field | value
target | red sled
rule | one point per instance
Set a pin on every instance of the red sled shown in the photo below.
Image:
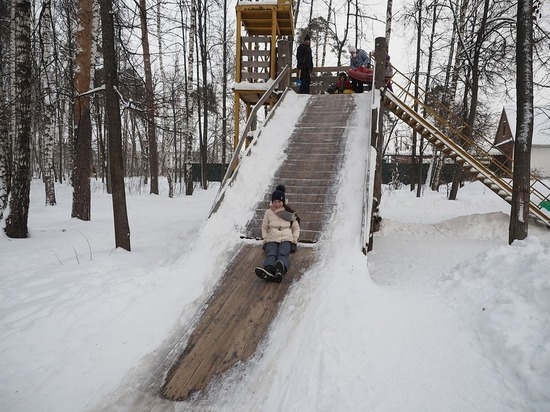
(363, 74)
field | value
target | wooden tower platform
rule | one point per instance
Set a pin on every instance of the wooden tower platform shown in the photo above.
(263, 32)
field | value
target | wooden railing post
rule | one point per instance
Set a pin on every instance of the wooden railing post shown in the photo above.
(283, 60)
(380, 51)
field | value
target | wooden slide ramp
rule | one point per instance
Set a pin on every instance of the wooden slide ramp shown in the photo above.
(238, 314)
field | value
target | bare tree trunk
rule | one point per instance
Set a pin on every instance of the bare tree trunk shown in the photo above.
(519, 222)
(389, 16)
(426, 87)
(457, 178)
(112, 108)
(296, 12)
(101, 150)
(190, 102)
(346, 32)
(5, 145)
(167, 159)
(175, 118)
(66, 152)
(325, 34)
(414, 174)
(448, 98)
(16, 222)
(82, 160)
(224, 85)
(203, 142)
(150, 97)
(356, 22)
(460, 31)
(50, 103)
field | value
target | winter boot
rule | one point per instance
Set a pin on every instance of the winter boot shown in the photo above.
(266, 273)
(279, 271)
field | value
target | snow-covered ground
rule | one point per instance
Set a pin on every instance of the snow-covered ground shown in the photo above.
(443, 315)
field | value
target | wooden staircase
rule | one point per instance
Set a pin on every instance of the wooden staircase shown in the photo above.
(450, 135)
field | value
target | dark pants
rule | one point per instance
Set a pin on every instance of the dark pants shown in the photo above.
(305, 78)
(357, 86)
(277, 251)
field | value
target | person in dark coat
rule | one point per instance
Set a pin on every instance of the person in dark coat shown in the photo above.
(304, 62)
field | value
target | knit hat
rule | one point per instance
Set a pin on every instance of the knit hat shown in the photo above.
(278, 194)
(307, 37)
(351, 49)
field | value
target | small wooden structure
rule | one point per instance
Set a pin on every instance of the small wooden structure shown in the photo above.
(503, 150)
(263, 50)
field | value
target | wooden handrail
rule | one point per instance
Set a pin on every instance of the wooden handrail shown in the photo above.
(469, 150)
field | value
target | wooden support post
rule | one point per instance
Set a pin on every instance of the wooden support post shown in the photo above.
(273, 63)
(380, 52)
(239, 49)
(237, 120)
(377, 125)
(283, 59)
(252, 125)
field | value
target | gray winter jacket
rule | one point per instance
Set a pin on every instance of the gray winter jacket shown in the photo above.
(361, 59)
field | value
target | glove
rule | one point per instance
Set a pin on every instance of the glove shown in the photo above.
(293, 247)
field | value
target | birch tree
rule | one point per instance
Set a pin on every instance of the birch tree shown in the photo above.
(16, 222)
(202, 38)
(189, 99)
(166, 159)
(50, 102)
(5, 147)
(389, 16)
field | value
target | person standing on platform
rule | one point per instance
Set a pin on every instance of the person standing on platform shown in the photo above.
(359, 58)
(304, 63)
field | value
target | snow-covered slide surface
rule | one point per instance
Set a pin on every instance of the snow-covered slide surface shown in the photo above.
(241, 309)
